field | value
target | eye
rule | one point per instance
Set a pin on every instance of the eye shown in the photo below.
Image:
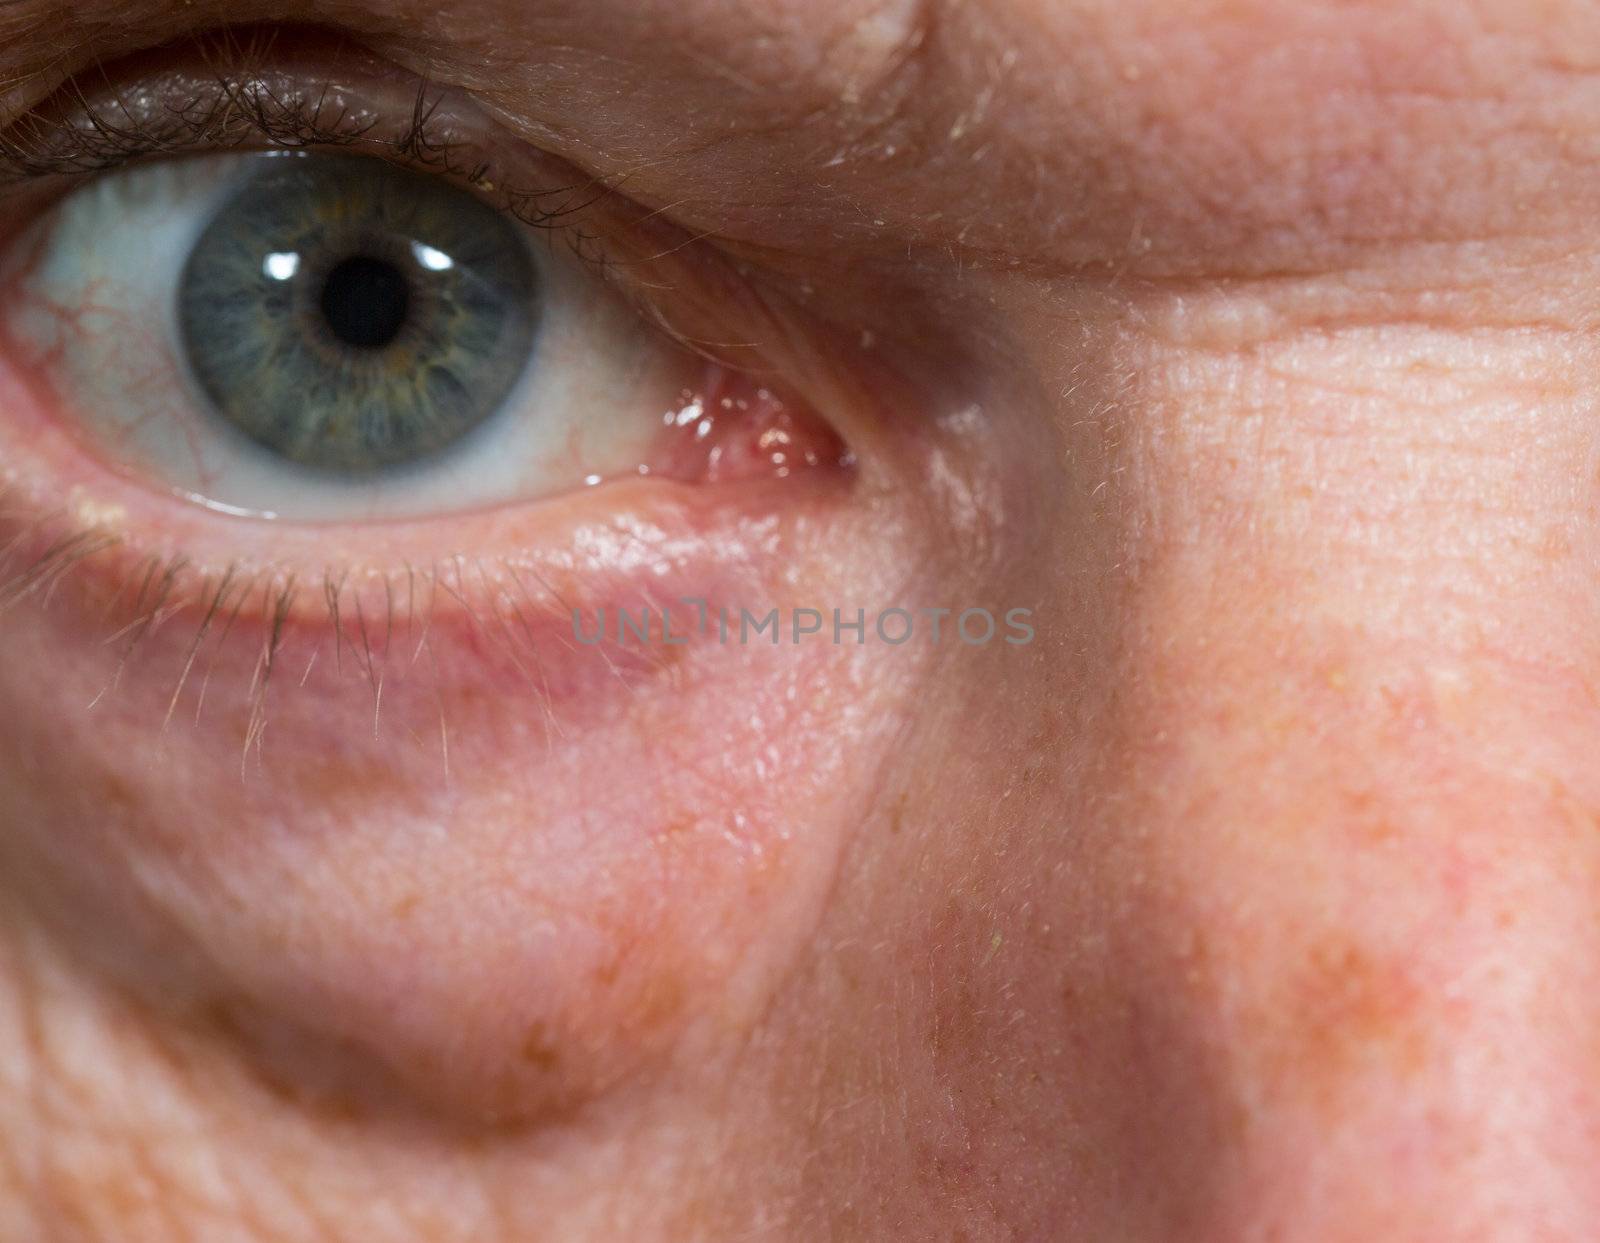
(349, 315)
(332, 337)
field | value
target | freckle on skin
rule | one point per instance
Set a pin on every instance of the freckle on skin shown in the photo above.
(1198, 970)
(116, 794)
(539, 1050)
(1342, 1011)
(1378, 833)
(674, 831)
(661, 1001)
(325, 782)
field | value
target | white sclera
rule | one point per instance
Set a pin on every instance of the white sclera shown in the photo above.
(95, 305)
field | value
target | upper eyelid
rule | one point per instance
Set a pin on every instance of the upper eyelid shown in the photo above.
(727, 124)
(272, 97)
(241, 104)
(713, 301)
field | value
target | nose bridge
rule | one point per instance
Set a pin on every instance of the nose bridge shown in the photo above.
(1362, 819)
(1412, 480)
(1365, 612)
(1376, 904)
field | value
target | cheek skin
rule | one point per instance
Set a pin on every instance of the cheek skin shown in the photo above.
(586, 884)
(1376, 953)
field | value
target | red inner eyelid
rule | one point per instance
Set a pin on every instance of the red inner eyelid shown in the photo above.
(495, 589)
(709, 516)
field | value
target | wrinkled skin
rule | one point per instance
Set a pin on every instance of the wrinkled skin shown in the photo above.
(1256, 900)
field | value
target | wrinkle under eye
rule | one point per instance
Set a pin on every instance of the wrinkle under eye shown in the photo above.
(349, 315)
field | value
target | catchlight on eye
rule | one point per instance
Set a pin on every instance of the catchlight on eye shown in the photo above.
(349, 315)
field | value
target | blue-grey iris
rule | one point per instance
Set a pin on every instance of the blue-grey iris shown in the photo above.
(350, 315)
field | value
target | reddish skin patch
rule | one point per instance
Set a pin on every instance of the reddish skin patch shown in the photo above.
(1342, 1008)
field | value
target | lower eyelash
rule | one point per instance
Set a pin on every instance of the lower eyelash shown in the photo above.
(379, 639)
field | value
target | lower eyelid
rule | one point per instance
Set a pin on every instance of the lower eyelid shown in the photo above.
(174, 622)
(488, 588)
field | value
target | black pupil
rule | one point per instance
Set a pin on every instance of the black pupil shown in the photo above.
(365, 301)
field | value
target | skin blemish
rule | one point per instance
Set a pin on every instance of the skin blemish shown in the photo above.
(1344, 1011)
(538, 1050)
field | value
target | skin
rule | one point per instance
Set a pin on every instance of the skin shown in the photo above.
(1247, 343)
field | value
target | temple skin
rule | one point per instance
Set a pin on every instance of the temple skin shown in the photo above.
(1256, 900)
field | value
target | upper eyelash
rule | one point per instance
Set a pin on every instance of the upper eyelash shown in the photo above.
(237, 110)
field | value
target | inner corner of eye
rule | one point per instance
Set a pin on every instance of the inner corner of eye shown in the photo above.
(733, 427)
(351, 339)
